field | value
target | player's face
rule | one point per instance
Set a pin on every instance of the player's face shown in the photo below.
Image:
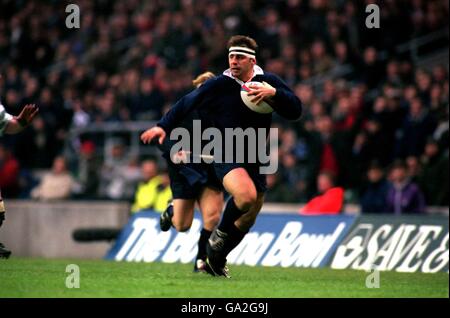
(241, 66)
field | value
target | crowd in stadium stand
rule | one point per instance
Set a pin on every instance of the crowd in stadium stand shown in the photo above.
(131, 60)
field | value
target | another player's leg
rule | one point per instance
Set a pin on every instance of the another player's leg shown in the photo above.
(211, 203)
(243, 193)
(165, 219)
(178, 214)
(183, 214)
(4, 253)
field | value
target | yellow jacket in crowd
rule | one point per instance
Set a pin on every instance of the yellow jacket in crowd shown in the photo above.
(152, 195)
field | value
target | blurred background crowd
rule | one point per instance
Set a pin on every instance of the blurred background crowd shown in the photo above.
(375, 103)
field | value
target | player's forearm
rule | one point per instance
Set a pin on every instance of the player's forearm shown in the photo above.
(176, 114)
(167, 122)
(173, 116)
(287, 104)
(13, 127)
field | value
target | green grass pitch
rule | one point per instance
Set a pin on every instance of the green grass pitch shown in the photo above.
(98, 278)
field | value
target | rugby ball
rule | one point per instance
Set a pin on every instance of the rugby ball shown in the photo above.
(263, 107)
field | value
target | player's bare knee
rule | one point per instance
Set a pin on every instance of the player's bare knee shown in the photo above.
(182, 226)
(211, 221)
(213, 211)
(211, 216)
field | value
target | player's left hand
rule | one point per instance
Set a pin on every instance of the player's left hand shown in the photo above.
(27, 114)
(261, 92)
(153, 133)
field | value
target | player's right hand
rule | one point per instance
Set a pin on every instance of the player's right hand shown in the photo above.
(27, 114)
(154, 132)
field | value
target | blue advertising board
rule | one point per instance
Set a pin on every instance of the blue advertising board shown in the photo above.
(274, 240)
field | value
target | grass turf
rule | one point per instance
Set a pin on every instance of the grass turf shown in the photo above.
(99, 278)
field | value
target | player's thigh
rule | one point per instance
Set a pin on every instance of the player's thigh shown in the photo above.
(246, 221)
(183, 214)
(240, 186)
(211, 203)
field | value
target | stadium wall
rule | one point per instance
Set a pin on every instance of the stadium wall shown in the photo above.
(44, 229)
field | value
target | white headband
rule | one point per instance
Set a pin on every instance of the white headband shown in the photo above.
(241, 50)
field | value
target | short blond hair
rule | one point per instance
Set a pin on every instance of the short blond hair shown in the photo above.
(199, 80)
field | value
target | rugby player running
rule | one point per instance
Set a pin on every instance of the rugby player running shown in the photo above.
(219, 104)
(192, 183)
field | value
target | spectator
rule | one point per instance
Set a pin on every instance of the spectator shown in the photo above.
(9, 173)
(333, 150)
(413, 168)
(36, 146)
(371, 69)
(329, 153)
(329, 201)
(291, 175)
(278, 191)
(119, 173)
(322, 62)
(88, 170)
(146, 192)
(404, 196)
(163, 193)
(434, 177)
(373, 199)
(57, 184)
(417, 127)
(151, 101)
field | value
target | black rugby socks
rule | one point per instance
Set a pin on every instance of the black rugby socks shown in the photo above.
(230, 215)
